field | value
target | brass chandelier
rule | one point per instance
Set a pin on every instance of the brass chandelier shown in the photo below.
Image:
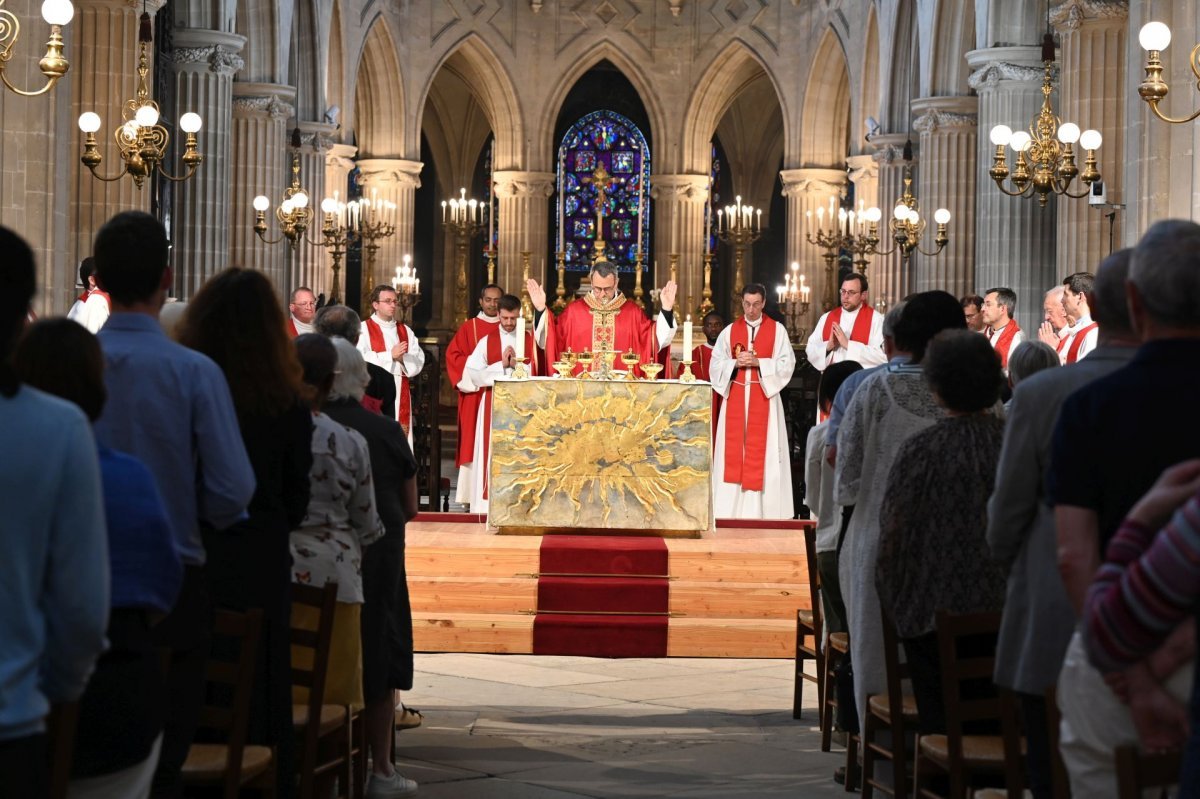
(53, 65)
(294, 213)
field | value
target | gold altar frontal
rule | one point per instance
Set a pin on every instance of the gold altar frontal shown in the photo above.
(602, 456)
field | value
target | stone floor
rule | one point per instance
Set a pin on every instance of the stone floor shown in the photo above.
(535, 727)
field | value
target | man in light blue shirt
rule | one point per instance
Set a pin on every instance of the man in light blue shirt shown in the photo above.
(841, 400)
(171, 408)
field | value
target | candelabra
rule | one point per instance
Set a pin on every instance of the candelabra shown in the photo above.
(57, 13)
(142, 142)
(526, 303)
(907, 225)
(739, 226)
(794, 301)
(375, 223)
(336, 236)
(706, 304)
(408, 288)
(294, 213)
(1154, 38)
(856, 232)
(465, 218)
(1050, 163)
(638, 291)
(560, 291)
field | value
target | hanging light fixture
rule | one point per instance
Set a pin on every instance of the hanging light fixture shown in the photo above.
(294, 213)
(57, 13)
(142, 141)
(907, 225)
(1154, 38)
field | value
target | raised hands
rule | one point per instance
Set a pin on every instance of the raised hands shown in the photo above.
(537, 294)
(666, 297)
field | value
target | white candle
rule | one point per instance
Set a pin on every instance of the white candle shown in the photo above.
(758, 219)
(687, 337)
(520, 346)
(492, 217)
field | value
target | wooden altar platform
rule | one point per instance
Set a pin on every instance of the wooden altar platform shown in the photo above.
(734, 591)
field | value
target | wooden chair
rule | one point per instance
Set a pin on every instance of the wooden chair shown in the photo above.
(836, 646)
(313, 763)
(960, 756)
(808, 628)
(232, 765)
(1059, 782)
(894, 711)
(60, 735)
(1138, 772)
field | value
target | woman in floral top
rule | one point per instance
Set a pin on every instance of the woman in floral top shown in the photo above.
(341, 521)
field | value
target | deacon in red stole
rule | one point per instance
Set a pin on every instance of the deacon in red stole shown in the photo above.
(604, 320)
(751, 363)
(850, 332)
(1003, 332)
(702, 357)
(494, 357)
(392, 346)
(472, 332)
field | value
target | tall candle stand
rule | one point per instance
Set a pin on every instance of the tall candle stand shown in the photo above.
(794, 302)
(490, 252)
(706, 304)
(855, 232)
(373, 229)
(465, 218)
(739, 226)
(526, 303)
(408, 289)
(560, 291)
(337, 233)
(638, 292)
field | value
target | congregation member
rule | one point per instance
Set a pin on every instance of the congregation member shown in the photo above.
(1029, 358)
(1092, 491)
(972, 306)
(392, 346)
(752, 362)
(1003, 332)
(380, 393)
(888, 407)
(1056, 325)
(92, 308)
(933, 554)
(465, 340)
(119, 728)
(493, 357)
(701, 357)
(236, 321)
(818, 496)
(852, 331)
(1083, 332)
(387, 636)
(302, 309)
(171, 408)
(604, 319)
(56, 598)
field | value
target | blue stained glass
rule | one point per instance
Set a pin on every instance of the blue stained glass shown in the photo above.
(622, 228)
(622, 162)
(604, 134)
(584, 229)
(572, 183)
(585, 161)
(572, 204)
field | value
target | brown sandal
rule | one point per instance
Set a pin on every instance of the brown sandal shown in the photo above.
(407, 718)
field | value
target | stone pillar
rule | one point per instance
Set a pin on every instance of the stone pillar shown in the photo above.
(949, 133)
(1014, 237)
(864, 174)
(310, 264)
(522, 219)
(679, 203)
(395, 180)
(1093, 39)
(261, 165)
(891, 280)
(339, 161)
(204, 62)
(807, 190)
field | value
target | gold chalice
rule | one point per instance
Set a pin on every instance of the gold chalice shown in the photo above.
(630, 359)
(651, 370)
(519, 371)
(563, 368)
(585, 359)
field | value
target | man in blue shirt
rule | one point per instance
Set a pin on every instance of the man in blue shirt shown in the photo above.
(171, 408)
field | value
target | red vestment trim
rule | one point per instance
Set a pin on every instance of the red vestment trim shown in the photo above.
(746, 428)
(293, 332)
(1077, 341)
(862, 324)
(403, 402)
(459, 349)
(1005, 341)
(701, 363)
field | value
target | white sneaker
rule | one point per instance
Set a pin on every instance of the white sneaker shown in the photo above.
(392, 787)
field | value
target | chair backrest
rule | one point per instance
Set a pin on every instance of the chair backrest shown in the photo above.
(1137, 771)
(814, 577)
(967, 653)
(896, 671)
(229, 678)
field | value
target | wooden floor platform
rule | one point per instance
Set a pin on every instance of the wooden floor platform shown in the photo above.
(734, 591)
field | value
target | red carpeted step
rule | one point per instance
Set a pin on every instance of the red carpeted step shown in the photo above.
(603, 594)
(603, 555)
(600, 636)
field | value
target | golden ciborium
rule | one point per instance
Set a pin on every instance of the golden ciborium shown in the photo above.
(563, 367)
(630, 359)
(585, 359)
(519, 371)
(651, 370)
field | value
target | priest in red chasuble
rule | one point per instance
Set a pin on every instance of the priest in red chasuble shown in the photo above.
(751, 363)
(604, 320)
(473, 331)
(850, 332)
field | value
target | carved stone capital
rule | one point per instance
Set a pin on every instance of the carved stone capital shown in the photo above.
(889, 148)
(679, 188)
(823, 182)
(218, 59)
(317, 135)
(935, 119)
(512, 183)
(862, 167)
(341, 155)
(1071, 14)
(990, 75)
(264, 99)
(390, 172)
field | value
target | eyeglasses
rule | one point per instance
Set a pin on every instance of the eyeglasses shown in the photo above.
(386, 302)
(849, 292)
(305, 304)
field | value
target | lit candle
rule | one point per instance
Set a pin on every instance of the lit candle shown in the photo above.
(492, 216)
(443, 212)
(758, 218)
(719, 219)
(687, 337)
(832, 208)
(520, 345)
(561, 203)
(779, 291)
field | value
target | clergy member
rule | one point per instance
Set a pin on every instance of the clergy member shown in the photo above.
(92, 307)
(850, 332)
(603, 319)
(1056, 325)
(751, 363)
(303, 309)
(493, 357)
(702, 357)
(393, 347)
(999, 305)
(473, 331)
(1083, 333)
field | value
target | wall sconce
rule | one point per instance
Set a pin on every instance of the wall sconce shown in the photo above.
(53, 65)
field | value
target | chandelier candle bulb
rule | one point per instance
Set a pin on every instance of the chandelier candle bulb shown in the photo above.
(1154, 37)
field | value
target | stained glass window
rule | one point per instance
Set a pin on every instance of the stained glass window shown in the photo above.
(607, 139)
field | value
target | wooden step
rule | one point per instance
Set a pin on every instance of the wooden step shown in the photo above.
(447, 595)
(509, 634)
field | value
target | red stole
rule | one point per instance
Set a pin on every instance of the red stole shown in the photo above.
(1077, 341)
(293, 332)
(746, 429)
(862, 324)
(1004, 343)
(1061, 343)
(460, 348)
(701, 361)
(494, 355)
(107, 299)
(403, 402)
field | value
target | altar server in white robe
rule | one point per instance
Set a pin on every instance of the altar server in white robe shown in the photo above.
(380, 341)
(495, 356)
(751, 363)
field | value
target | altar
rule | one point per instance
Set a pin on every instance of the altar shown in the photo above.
(585, 455)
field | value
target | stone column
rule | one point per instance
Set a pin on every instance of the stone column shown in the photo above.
(679, 203)
(339, 161)
(948, 128)
(522, 219)
(261, 165)
(806, 191)
(1093, 39)
(891, 281)
(204, 63)
(1014, 237)
(310, 264)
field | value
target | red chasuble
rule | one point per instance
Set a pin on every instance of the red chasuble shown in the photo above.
(1004, 343)
(746, 429)
(494, 355)
(577, 330)
(862, 324)
(403, 402)
(701, 360)
(457, 352)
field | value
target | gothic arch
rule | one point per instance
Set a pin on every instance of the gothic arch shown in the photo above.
(456, 127)
(267, 26)
(950, 26)
(825, 126)
(379, 96)
(308, 54)
(868, 98)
